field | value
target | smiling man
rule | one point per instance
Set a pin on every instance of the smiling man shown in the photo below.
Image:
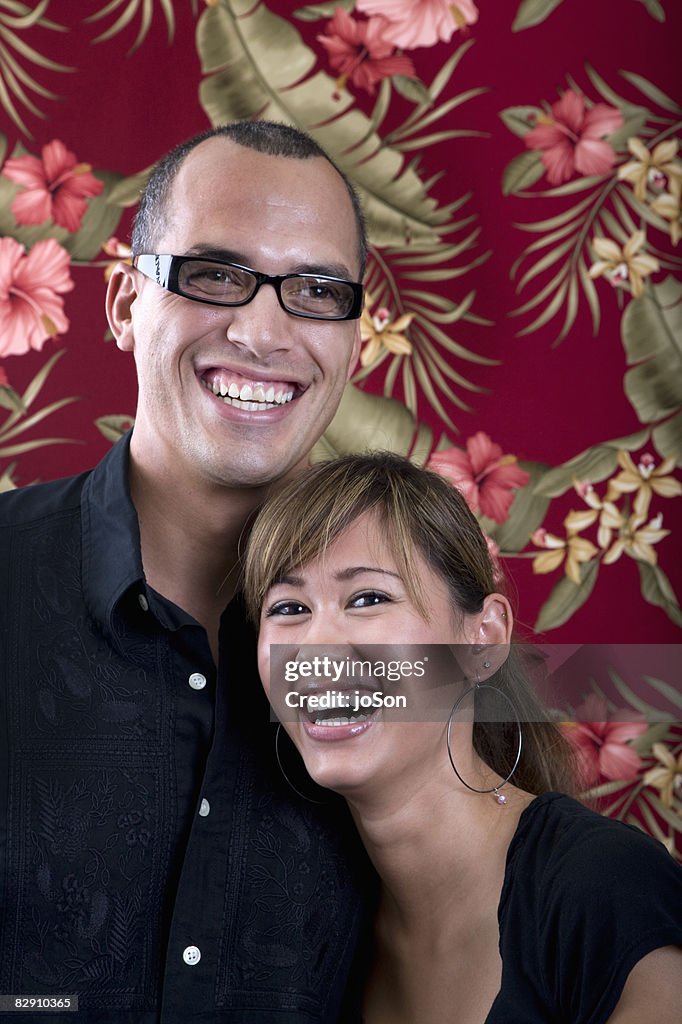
(155, 865)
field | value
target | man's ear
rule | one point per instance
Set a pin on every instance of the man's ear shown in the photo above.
(121, 293)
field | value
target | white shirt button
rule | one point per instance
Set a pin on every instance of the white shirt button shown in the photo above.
(197, 681)
(191, 955)
(143, 602)
(205, 808)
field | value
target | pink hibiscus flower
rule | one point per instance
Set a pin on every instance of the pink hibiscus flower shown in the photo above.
(359, 51)
(31, 310)
(483, 474)
(572, 139)
(55, 187)
(421, 22)
(601, 742)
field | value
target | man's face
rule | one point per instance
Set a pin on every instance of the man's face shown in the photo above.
(276, 215)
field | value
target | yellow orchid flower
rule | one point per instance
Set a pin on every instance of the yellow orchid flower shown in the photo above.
(634, 537)
(587, 492)
(623, 265)
(379, 332)
(656, 167)
(646, 478)
(668, 206)
(667, 776)
(573, 548)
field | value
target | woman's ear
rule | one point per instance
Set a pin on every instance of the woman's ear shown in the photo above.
(493, 628)
(121, 294)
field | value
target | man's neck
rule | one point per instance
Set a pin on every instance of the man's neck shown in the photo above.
(191, 534)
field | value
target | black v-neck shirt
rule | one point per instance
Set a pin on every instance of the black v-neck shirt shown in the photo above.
(584, 898)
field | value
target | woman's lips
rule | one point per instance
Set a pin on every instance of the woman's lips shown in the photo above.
(345, 719)
(336, 733)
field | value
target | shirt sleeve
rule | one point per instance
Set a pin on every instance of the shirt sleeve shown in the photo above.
(613, 895)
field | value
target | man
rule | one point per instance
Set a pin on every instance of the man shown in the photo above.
(154, 863)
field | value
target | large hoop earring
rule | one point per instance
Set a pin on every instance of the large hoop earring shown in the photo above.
(309, 799)
(500, 797)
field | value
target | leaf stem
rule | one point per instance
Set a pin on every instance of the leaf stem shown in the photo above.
(668, 131)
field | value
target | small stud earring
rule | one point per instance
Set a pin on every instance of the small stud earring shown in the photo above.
(486, 664)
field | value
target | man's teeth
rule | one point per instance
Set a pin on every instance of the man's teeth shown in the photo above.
(341, 721)
(248, 397)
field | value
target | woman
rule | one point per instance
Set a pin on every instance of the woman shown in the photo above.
(500, 901)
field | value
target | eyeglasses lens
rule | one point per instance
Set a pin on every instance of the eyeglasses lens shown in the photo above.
(306, 294)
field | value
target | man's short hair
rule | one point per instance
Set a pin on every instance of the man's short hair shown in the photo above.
(268, 137)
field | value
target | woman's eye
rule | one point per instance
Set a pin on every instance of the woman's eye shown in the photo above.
(286, 608)
(368, 598)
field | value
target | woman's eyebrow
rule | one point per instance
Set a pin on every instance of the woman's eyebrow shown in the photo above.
(358, 570)
(289, 580)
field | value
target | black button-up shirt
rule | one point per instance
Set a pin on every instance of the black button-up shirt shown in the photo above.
(152, 859)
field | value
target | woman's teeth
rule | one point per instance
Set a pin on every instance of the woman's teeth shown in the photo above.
(352, 720)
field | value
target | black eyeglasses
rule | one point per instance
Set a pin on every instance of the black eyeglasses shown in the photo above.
(221, 283)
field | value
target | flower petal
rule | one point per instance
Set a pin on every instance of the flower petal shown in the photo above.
(638, 149)
(482, 452)
(664, 755)
(593, 156)
(548, 561)
(634, 244)
(664, 151)
(618, 761)
(607, 249)
(666, 486)
(601, 120)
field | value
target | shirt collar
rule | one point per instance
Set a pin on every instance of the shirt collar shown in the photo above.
(110, 535)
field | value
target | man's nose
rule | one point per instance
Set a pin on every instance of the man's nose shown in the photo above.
(261, 326)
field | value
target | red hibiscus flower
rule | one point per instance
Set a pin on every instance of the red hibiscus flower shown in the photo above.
(483, 474)
(4, 379)
(55, 187)
(601, 744)
(31, 310)
(359, 51)
(421, 22)
(572, 138)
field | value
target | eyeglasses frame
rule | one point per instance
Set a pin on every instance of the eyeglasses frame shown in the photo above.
(165, 271)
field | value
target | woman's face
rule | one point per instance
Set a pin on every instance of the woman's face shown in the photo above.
(352, 604)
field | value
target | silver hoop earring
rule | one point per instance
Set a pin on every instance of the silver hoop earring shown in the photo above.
(297, 791)
(500, 797)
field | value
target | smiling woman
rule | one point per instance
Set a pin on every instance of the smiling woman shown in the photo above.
(503, 909)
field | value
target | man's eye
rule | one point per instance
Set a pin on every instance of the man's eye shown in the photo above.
(213, 279)
(368, 598)
(286, 608)
(319, 291)
(312, 291)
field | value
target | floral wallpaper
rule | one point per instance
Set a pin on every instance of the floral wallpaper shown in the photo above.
(520, 167)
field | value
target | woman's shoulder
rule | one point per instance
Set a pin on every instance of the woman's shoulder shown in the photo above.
(584, 899)
(564, 844)
(568, 864)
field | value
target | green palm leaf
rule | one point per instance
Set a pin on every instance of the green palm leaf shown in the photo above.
(257, 65)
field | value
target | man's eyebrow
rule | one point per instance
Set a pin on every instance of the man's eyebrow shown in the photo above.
(320, 269)
(211, 252)
(324, 270)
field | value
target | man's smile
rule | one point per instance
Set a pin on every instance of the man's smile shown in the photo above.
(244, 393)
